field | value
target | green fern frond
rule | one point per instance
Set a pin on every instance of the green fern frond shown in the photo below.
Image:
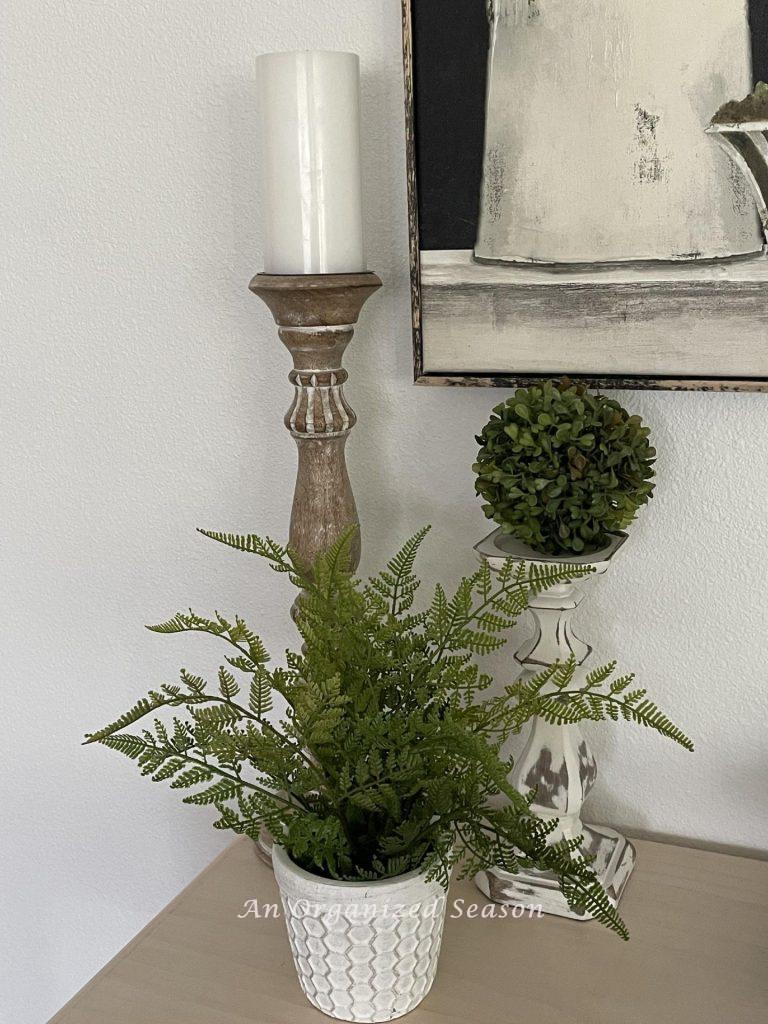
(140, 710)
(621, 684)
(169, 769)
(228, 687)
(332, 568)
(543, 576)
(260, 699)
(218, 793)
(178, 624)
(402, 563)
(228, 820)
(192, 777)
(264, 547)
(131, 746)
(195, 684)
(397, 584)
(649, 715)
(566, 707)
(592, 898)
(216, 716)
(599, 675)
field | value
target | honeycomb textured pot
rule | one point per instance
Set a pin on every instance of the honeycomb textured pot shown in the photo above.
(364, 951)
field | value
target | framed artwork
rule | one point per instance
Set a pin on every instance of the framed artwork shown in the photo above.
(569, 212)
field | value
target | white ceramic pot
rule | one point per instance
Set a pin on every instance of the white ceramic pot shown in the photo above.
(595, 148)
(364, 951)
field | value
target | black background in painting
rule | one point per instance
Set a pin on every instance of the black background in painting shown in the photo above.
(450, 40)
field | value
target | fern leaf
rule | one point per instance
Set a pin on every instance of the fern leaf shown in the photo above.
(333, 565)
(227, 685)
(195, 684)
(260, 700)
(140, 710)
(400, 568)
(484, 581)
(649, 715)
(178, 624)
(252, 544)
(621, 684)
(592, 898)
(402, 563)
(216, 717)
(599, 675)
(544, 577)
(218, 793)
(493, 623)
(169, 769)
(192, 777)
(438, 612)
(131, 746)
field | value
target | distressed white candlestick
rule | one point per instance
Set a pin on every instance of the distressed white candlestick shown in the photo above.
(312, 204)
(557, 761)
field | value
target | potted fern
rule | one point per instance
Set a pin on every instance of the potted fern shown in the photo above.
(373, 757)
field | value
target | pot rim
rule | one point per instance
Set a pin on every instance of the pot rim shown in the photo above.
(283, 860)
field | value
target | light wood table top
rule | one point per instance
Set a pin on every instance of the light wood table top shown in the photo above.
(698, 955)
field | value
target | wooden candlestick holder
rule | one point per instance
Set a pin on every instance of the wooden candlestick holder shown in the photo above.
(316, 317)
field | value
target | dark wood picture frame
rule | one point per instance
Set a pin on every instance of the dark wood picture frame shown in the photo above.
(735, 304)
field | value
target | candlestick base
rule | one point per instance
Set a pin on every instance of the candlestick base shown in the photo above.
(614, 859)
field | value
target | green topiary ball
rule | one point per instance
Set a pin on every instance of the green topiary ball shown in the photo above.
(561, 469)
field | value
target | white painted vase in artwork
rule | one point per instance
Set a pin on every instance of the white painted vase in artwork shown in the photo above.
(557, 761)
(364, 951)
(595, 149)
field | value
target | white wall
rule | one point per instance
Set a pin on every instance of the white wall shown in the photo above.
(143, 390)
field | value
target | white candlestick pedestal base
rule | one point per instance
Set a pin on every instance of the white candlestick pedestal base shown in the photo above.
(556, 761)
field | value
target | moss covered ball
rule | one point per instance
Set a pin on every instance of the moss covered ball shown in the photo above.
(561, 469)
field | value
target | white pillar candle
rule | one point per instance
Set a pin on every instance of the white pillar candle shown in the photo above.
(313, 206)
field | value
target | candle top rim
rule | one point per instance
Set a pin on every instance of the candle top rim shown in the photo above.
(301, 53)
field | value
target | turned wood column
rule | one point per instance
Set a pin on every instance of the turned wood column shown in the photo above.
(316, 318)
